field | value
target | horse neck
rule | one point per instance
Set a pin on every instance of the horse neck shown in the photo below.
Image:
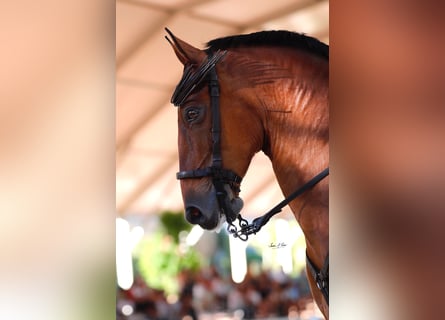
(297, 144)
(288, 91)
(296, 122)
(296, 134)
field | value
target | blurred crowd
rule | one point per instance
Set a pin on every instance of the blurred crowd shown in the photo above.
(267, 294)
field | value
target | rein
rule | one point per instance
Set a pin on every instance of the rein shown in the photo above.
(259, 222)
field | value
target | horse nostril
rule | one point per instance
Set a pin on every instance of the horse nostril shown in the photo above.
(193, 215)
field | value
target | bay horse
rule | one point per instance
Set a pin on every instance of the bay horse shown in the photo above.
(266, 91)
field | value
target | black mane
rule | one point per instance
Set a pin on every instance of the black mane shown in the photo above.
(271, 38)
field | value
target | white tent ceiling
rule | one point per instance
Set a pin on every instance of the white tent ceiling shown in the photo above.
(147, 72)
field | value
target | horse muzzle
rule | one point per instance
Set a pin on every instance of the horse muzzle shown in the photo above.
(205, 209)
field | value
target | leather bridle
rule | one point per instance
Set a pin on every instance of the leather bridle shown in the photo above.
(220, 176)
(191, 79)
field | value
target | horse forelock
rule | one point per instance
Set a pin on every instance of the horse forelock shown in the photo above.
(193, 76)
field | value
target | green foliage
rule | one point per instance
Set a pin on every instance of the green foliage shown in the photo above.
(173, 223)
(159, 257)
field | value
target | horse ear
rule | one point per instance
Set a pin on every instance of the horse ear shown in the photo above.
(185, 52)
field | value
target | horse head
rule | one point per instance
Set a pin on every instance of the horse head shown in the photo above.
(217, 137)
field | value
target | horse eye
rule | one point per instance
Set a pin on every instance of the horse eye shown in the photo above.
(191, 114)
